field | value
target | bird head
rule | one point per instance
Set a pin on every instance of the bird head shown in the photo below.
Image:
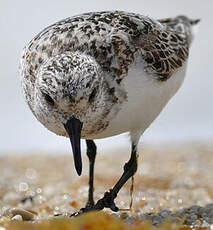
(72, 98)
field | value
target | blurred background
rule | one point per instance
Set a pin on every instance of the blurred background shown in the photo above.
(187, 117)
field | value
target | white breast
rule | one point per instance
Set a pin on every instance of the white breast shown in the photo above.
(146, 97)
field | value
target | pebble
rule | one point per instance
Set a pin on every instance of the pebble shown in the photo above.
(17, 217)
(123, 215)
(165, 213)
(194, 216)
(154, 202)
(25, 215)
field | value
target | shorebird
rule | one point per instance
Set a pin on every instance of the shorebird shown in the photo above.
(99, 74)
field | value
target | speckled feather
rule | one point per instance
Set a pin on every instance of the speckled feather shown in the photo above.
(104, 45)
(113, 39)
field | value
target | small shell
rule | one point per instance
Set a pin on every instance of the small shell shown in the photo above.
(26, 216)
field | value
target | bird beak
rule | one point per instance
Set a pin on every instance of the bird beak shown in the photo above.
(194, 22)
(73, 127)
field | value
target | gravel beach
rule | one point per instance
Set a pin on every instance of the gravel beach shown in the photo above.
(173, 183)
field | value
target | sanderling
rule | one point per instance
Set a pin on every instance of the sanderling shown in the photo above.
(100, 74)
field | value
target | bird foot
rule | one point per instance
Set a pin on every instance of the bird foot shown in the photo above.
(90, 204)
(106, 202)
(81, 211)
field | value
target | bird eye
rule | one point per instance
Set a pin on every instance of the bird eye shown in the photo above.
(92, 95)
(49, 99)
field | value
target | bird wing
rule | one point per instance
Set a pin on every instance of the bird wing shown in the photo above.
(118, 37)
(163, 50)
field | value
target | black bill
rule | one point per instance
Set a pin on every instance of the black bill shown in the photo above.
(73, 127)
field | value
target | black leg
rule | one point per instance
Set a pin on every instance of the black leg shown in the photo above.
(91, 153)
(129, 170)
(108, 200)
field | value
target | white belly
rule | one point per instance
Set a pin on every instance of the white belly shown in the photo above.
(146, 97)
